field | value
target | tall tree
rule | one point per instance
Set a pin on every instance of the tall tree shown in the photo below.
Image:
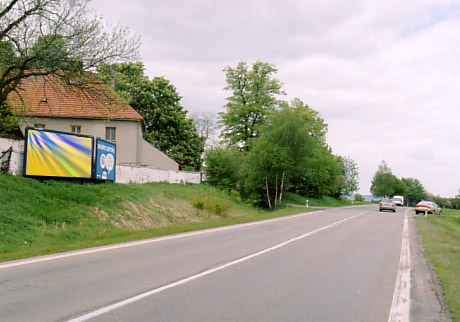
(414, 190)
(253, 96)
(321, 173)
(350, 176)
(286, 155)
(384, 182)
(274, 157)
(315, 124)
(41, 37)
(166, 123)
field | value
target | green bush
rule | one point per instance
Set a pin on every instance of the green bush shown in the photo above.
(198, 203)
(223, 168)
(213, 205)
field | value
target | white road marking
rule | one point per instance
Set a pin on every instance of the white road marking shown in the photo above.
(400, 308)
(92, 250)
(139, 297)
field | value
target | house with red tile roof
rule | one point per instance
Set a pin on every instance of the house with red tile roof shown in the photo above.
(55, 103)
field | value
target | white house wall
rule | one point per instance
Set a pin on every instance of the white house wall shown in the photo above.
(132, 149)
(153, 157)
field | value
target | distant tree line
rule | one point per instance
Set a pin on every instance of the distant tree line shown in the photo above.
(386, 184)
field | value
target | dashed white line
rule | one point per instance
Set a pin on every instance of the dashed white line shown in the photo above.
(400, 308)
(139, 297)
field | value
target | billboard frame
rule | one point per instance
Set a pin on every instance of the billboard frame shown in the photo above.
(98, 163)
(43, 176)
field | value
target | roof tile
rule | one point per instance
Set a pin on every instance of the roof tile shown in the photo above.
(52, 96)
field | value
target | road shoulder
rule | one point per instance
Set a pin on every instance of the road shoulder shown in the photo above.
(428, 303)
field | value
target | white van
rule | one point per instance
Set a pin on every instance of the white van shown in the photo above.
(399, 200)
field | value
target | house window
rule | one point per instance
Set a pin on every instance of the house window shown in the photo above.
(75, 128)
(42, 126)
(110, 133)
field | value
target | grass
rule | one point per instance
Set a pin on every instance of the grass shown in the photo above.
(441, 240)
(292, 198)
(40, 217)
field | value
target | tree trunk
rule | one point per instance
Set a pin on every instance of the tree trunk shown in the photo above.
(276, 191)
(282, 187)
(268, 195)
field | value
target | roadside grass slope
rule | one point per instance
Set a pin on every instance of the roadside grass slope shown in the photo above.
(40, 217)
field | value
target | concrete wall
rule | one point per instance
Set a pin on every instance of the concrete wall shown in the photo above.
(124, 174)
(17, 155)
(127, 174)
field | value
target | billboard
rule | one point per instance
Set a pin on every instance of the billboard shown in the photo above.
(49, 153)
(105, 160)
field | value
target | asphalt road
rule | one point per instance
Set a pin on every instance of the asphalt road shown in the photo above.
(329, 265)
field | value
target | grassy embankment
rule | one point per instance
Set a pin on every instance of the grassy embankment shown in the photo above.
(40, 217)
(441, 240)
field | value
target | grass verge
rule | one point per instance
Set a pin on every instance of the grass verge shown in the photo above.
(441, 240)
(41, 217)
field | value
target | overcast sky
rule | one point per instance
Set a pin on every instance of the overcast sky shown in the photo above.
(384, 74)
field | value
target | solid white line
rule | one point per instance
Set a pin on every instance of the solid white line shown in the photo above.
(45, 258)
(400, 308)
(139, 297)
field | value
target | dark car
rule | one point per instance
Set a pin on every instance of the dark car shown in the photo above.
(387, 204)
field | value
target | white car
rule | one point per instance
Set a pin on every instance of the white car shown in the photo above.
(399, 200)
(387, 204)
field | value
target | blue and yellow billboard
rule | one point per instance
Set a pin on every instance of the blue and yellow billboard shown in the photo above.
(51, 153)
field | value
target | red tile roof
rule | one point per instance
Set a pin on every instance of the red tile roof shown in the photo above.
(52, 96)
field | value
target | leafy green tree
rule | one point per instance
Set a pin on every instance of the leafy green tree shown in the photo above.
(166, 123)
(224, 167)
(38, 36)
(253, 97)
(51, 53)
(271, 160)
(384, 181)
(321, 172)
(414, 190)
(322, 175)
(287, 156)
(315, 124)
(399, 188)
(350, 176)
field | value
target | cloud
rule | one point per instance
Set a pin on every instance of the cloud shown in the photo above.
(385, 75)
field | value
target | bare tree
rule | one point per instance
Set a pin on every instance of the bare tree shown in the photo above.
(206, 126)
(61, 37)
